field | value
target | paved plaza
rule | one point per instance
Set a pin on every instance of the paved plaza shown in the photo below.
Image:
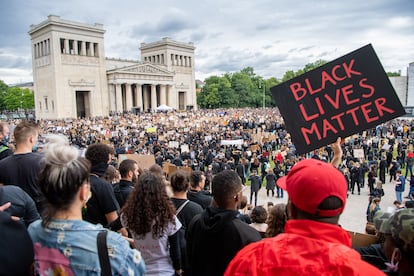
(354, 216)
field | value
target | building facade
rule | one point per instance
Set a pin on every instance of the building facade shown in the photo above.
(72, 78)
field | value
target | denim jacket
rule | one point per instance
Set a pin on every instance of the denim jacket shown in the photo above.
(68, 247)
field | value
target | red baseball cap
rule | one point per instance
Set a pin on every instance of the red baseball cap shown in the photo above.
(310, 182)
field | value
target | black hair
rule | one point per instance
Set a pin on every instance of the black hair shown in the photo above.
(126, 166)
(225, 185)
(98, 153)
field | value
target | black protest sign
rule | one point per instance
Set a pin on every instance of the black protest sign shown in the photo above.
(338, 99)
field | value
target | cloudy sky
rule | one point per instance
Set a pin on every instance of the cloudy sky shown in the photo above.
(272, 36)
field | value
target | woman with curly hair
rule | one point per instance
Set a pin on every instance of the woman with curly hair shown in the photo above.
(276, 220)
(149, 215)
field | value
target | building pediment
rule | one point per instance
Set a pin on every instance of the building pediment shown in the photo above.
(145, 68)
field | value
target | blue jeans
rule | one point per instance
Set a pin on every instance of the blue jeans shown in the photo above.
(279, 192)
(409, 168)
(399, 196)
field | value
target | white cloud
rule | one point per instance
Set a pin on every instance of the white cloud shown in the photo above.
(270, 36)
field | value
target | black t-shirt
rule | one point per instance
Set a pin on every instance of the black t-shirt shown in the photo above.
(188, 212)
(202, 198)
(122, 190)
(22, 170)
(102, 201)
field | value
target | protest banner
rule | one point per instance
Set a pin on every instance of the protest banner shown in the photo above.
(185, 148)
(341, 98)
(151, 129)
(143, 161)
(169, 168)
(173, 144)
(359, 153)
(231, 142)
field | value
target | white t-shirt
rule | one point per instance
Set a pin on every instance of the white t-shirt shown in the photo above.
(156, 251)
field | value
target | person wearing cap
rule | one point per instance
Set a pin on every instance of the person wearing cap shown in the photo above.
(399, 242)
(374, 253)
(313, 242)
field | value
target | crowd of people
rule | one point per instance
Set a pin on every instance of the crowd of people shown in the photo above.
(62, 182)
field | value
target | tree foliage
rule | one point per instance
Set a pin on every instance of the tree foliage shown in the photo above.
(14, 98)
(244, 88)
(393, 74)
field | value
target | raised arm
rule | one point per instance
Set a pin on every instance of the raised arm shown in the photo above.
(337, 150)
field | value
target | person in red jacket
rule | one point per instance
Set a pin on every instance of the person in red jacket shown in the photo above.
(313, 242)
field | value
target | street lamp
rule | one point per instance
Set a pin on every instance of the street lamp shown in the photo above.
(262, 85)
(264, 98)
(21, 101)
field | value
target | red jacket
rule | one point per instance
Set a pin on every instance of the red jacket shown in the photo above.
(307, 248)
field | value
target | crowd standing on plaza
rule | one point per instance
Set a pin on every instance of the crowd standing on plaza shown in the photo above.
(195, 223)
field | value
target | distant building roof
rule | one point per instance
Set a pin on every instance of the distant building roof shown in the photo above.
(22, 84)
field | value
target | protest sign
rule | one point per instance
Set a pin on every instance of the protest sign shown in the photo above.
(231, 142)
(173, 144)
(185, 148)
(338, 99)
(359, 153)
(143, 161)
(151, 129)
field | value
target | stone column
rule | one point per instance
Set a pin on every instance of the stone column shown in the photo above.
(112, 97)
(35, 50)
(128, 95)
(138, 96)
(170, 100)
(75, 47)
(47, 47)
(118, 93)
(146, 98)
(83, 48)
(163, 95)
(153, 96)
(66, 46)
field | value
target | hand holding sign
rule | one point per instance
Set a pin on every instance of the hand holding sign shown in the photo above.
(338, 99)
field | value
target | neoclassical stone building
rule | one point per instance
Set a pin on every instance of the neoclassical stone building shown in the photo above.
(72, 78)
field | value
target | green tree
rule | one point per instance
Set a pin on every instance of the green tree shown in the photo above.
(226, 93)
(270, 101)
(308, 67)
(288, 75)
(3, 91)
(313, 65)
(244, 89)
(393, 74)
(210, 96)
(16, 98)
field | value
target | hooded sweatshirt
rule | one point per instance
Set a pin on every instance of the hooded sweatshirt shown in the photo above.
(213, 239)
